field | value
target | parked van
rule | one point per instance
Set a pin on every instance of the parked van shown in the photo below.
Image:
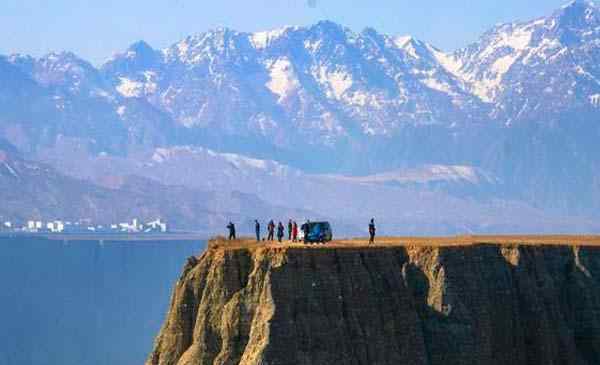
(319, 232)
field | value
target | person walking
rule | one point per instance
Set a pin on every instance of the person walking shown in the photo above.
(280, 232)
(257, 230)
(231, 228)
(271, 230)
(294, 232)
(289, 227)
(372, 231)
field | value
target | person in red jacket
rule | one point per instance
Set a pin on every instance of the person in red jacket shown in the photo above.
(294, 232)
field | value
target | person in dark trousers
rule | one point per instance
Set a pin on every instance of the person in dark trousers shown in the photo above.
(257, 230)
(305, 229)
(271, 230)
(290, 227)
(280, 232)
(372, 231)
(294, 232)
(231, 228)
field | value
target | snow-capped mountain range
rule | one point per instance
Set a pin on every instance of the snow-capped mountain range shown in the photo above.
(517, 112)
(328, 84)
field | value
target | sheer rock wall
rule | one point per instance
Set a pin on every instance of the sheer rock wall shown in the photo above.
(484, 304)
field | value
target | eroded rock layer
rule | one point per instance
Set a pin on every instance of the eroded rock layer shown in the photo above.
(485, 304)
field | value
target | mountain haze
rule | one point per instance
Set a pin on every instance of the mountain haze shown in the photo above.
(521, 106)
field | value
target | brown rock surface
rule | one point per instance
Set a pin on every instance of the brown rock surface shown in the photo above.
(390, 304)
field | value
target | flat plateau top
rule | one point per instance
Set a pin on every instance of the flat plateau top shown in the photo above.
(450, 241)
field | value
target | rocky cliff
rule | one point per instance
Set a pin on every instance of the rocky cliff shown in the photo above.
(476, 304)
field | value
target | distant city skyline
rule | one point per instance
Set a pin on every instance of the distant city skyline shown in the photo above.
(96, 30)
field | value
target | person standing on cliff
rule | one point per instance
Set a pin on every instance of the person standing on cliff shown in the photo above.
(231, 228)
(257, 230)
(294, 232)
(372, 231)
(306, 230)
(290, 227)
(271, 230)
(280, 232)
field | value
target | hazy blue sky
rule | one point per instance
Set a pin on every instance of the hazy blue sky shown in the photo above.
(97, 29)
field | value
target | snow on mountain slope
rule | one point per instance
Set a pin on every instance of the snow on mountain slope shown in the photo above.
(283, 78)
(261, 40)
(531, 69)
(323, 80)
(330, 86)
(428, 173)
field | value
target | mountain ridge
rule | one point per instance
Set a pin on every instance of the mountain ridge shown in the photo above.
(325, 100)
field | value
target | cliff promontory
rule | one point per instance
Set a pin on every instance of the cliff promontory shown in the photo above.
(494, 303)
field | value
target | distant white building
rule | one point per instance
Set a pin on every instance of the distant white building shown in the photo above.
(156, 226)
(132, 227)
(58, 226)
(34, 226)
(55, 227)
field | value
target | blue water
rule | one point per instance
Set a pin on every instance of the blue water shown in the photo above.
(83, 303)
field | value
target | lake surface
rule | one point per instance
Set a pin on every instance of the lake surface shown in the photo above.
(83, 303)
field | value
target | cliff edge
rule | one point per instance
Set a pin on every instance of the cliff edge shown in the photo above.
(471, 304)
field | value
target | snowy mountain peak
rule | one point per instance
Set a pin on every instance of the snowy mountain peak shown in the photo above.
(18, 58)
(578, 4)
(210, 47)
(577, 15)
(330, 83)
(414, 47)
(261, 40)
(140, 48)
(65, 69)
(63, 57)
(329, 29)
(404, 40)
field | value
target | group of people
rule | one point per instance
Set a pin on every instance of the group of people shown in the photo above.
(292, 230)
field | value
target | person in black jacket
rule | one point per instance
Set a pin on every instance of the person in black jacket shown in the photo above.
(280, 232)
(306, 230)
(231, 228)
(271, 230)
(290, 227)
(372, 231)
(257, 230)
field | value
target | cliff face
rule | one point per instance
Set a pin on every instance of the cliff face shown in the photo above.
(482, 304)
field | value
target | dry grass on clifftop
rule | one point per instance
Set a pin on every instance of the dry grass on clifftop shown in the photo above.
(450, 241)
